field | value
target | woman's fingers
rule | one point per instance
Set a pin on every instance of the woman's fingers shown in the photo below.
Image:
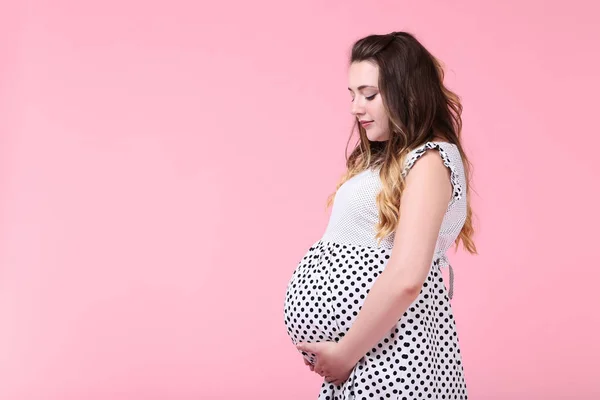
(318, 368)
(310, 366)
(333, 381)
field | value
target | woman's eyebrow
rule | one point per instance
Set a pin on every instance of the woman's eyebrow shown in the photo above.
(361, 87)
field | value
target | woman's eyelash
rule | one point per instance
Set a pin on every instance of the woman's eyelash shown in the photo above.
(368, 98)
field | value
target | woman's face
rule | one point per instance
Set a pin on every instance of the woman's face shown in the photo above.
(367, 104)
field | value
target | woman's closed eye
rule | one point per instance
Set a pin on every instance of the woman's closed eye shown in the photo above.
(367, 97)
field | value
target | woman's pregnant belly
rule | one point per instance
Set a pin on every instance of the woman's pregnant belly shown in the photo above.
(328, 288)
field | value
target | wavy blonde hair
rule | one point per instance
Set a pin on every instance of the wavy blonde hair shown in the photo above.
(420, 108)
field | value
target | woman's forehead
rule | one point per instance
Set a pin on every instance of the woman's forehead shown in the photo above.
(362, 74)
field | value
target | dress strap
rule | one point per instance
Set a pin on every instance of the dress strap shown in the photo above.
(443, 262)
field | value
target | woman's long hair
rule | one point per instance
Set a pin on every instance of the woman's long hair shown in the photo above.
(420, 108)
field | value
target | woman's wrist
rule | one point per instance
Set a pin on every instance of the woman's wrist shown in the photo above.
(349, 352)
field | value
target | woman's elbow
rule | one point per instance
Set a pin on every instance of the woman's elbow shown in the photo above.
(407, 283)
(410, 290)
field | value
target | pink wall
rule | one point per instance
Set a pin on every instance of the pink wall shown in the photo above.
(164, 167)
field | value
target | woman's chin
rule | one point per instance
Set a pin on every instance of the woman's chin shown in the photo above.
(376, 137)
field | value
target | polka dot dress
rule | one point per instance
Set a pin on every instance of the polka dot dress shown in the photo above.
(419, 358)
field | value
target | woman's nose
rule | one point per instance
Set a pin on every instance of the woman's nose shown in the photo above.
(356, 108)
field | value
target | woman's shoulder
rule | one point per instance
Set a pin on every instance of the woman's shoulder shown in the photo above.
(433, 144)
(448, 156)
(448, 151)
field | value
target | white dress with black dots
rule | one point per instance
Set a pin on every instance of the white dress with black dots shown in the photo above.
(419, 358)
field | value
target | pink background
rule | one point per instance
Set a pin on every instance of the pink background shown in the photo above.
(165, 166)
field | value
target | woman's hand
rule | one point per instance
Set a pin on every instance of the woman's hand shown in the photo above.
(310, 366)
(330, 363)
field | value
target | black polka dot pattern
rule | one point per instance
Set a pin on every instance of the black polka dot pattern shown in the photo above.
(420, 357)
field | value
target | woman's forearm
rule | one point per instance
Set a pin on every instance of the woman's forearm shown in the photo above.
(422, 207)
(385, 304)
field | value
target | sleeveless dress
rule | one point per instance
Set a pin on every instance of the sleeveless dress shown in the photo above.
(419, 358)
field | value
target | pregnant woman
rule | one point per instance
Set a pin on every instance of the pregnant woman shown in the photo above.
(367, 305)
